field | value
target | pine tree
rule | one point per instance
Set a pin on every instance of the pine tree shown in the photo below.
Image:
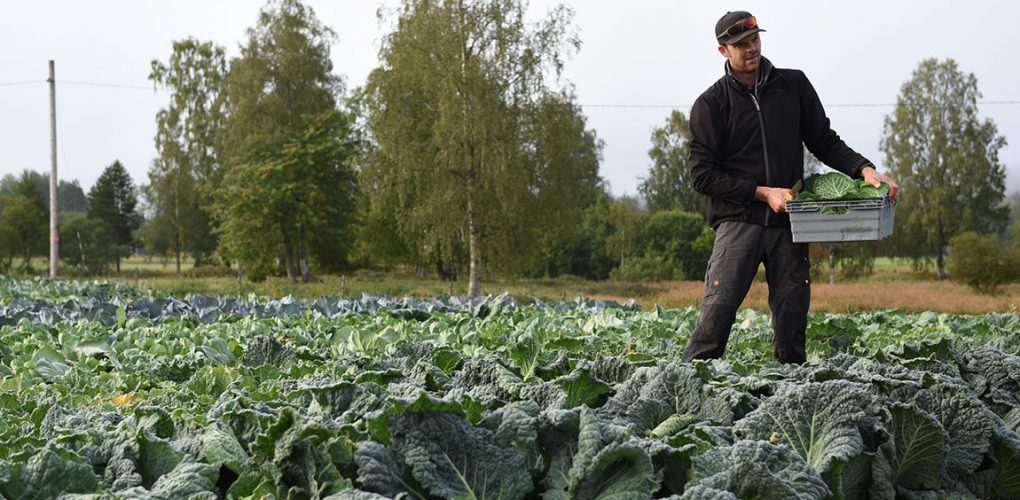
(112, 200)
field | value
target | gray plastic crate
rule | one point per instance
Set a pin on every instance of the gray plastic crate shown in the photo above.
(865, 219)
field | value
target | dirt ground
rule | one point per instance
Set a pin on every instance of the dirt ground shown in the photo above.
(909, 296)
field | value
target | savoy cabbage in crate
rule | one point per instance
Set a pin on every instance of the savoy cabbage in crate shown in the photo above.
(834, 207)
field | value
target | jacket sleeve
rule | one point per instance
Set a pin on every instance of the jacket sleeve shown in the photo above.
(820, 139)
(707, 171)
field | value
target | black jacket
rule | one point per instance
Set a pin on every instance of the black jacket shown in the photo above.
(740, 141)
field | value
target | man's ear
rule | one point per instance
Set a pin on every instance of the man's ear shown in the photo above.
(722, 50)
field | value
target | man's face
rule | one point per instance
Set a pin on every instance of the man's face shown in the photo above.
(745, 55)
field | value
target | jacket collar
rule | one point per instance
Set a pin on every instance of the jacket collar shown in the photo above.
(765, 73)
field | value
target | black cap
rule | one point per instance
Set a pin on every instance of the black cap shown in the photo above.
(735, 26)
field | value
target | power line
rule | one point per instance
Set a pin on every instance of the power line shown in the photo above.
(890, 105)
(27, 82)
(667, 106)
(108, 85)
(86, 84)
(625, 105)
(838, 105)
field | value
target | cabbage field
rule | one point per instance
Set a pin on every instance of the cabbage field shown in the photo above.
(110, 392)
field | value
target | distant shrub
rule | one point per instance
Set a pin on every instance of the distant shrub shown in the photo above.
(651, 268)
(86, 245)
(258, 271)
(980, 262)
(681, 239)
(211, 271)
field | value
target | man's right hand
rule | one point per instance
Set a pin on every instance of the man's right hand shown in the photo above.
(774, 197)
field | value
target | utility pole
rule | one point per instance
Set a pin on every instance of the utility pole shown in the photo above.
(54, 214)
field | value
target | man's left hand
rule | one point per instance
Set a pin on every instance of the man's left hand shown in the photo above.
(876, 179)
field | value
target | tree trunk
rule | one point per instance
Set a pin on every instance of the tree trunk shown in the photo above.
(118, 263)
(306, 267)
(832, 264)
(475, 270)
(474, 247)
(288, 259)
(623, 247)
(940, 264)
(81, 248)
(179, 240)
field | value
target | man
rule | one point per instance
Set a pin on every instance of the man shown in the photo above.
(746, 153)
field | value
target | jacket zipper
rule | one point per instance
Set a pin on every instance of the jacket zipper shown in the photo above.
(764, 145)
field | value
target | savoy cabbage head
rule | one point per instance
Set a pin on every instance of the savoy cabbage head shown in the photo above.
(821, 421)
(654, 394)
(47, 474)
(607, 464)
(443, 455)
(836, 185)
(266, 350)
(758, 469)
(917, 452)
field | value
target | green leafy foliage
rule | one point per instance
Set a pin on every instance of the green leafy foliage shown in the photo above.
(830, 185)
(87, 245)
(837, 185)
(668, 185)
(267, 351)
(47, 474)
(477, 158)
(980, 262)
(667, 245)
(187, 171)
(116, 393)
(821, 421)
(112, 200)
(606, 464)
(681, 239)
(21, 228)
(757, 469)
(918, 450)
(945, 158)
(288, 182)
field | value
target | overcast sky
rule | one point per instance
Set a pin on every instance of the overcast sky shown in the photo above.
(639, 58)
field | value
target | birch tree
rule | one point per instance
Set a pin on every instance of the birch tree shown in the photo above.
(453, 113)
(288, 185)
(184, 176)
(668, 185)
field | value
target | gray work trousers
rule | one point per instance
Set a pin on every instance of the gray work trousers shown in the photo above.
(739, 248)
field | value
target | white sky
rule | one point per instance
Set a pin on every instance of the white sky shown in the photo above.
(636, 52)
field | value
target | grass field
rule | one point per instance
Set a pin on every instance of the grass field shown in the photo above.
(909, 296)
(894, 285)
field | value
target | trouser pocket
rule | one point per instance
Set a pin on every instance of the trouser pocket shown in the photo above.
(731, 268)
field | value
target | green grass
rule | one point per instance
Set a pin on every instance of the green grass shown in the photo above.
(160, 276)
(894, 284)
(395, 285)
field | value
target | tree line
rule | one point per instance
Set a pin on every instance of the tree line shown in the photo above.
(465, 154)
